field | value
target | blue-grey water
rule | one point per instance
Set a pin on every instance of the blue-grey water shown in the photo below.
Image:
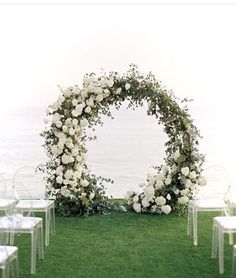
(125, 150)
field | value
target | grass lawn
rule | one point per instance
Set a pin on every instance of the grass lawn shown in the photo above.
(126, 245)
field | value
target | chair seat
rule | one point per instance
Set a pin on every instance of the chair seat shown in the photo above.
(17, 222)
(34, 204)
(227, 222)
(209, 204)
(6, 202)
(6, 252)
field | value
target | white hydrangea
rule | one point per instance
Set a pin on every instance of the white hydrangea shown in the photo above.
(137, 207)
(84, 122)
(145, 202)
(135, 199)
(59, 179)
(159, 184)
(84, 183)
(65, 192)
(166, 209)
(160, 200)
(185, 171)
(183, 200)
(149, 191)
(192, 175)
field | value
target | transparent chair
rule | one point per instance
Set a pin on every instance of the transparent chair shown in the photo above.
(8, 257)
(210, 197)
(7, 203)
(222, 225)
(34, 182)
(15, 223)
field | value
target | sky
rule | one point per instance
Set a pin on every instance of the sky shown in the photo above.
(189, 47)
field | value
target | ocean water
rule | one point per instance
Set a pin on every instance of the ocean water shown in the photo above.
(125, 150)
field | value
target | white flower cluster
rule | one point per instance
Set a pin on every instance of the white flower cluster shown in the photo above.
(67, 119)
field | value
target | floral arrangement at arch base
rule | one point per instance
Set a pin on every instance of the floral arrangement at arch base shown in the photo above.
(69, 181)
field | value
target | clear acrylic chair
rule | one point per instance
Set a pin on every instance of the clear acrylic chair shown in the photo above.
(8, 257)
(210, 197)
(7, 203)
(15, 223)
(34, 182)
(222, 225)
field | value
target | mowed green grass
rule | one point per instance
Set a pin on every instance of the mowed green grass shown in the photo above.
(126, 245)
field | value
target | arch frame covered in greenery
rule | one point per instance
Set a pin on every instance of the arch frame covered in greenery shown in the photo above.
(70, 182)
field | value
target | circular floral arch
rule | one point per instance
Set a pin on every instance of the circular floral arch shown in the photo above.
(69, 181)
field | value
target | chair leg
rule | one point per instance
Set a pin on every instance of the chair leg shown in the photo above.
(190, 220)
(221, 250)
(195, 228)
(53, 224)
(40, 242)
(33, 250)
(234, 262)
(214, 241)
(47, 227)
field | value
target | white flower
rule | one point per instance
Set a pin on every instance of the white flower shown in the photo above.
(159, 184)
(184, 192)
(160, 200)
(110, 82)
(71, 131)
(90, 102)
(68, 92)
(84, 183)
(168, 197)
(69, 174)
(88, 109)
(176, 191)
(183, 200)
(137, 207)
(176, 155)
(149, 191)
(151, 181)
(65, 128)
(154, 208)
(77, 174)
(75, 102)
(145, 202)
(99, 98)
(56, 117)
(168, 181)
(127, 86)
(75, 122)
(91, 196)
(59, 179)
(75, 151)
(65, 192)
(166, 209)
(135, 199)
(59, 170)
(65, 159)
(118, 91)
(185, 171)
(192, 175)
(173, 168)
(202, 181)
(188, 183)
(84, 122)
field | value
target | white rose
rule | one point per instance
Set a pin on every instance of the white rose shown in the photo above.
(160, 200)
(192, 175)
(69, 173)
(84, 122)
(168, 181)
(71, 131)
(135, 199)
(110, 82)
(183, 200)
(88, 109)
(59, 179)
(118, 91)
(176, 155)
(99, 98)
(159, 184)
(185, 171)
(145, 202)
(202, 181)
(91, 196)
(149, 191)
(67, 92)
(176, 191)
(168, 197)
(84, 183)
(90, 102)
(166, 209)
(65, 128)
(127, 86)
(137, 207)
(65, 192)
(75, 151)
(188, 183)
(75, 122)
(74, 102)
